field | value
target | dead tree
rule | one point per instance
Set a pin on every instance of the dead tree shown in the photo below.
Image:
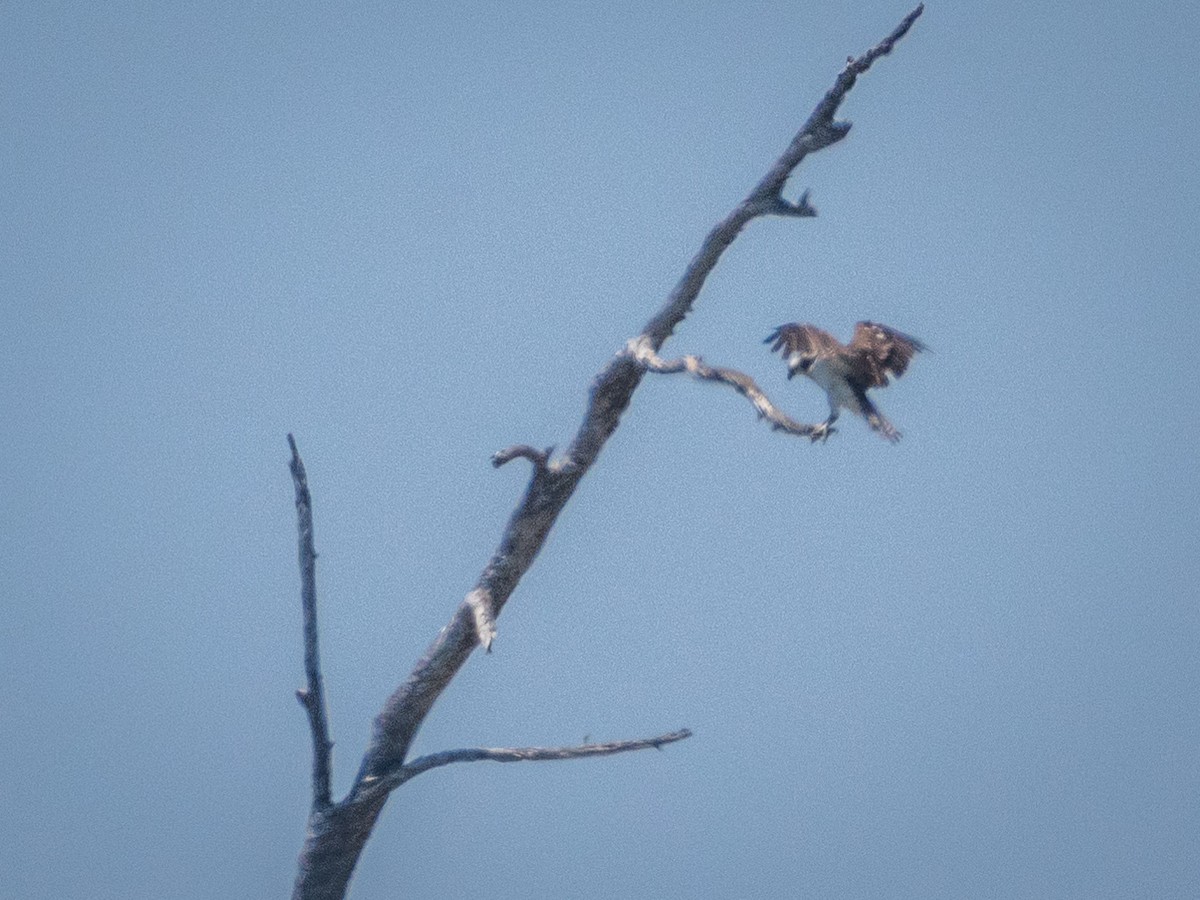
(338, 830)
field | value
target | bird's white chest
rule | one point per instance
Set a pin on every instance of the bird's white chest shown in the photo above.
(832, 378)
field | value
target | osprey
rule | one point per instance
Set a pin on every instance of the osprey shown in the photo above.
(847, 371)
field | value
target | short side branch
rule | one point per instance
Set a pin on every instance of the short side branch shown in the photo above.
(739, 381)
(313, 697)
(801, 209)
(539, 458)
(527, 754)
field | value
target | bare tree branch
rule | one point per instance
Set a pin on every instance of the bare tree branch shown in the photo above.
(313, 697)
(524, 754)
(739, 381)
(337, 835)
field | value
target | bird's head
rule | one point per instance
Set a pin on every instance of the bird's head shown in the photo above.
(799, 364)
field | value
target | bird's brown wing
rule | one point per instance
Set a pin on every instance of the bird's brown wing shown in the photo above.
(807, 340)
(877, 351)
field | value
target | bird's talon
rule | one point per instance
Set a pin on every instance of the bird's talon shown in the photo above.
(821, 432)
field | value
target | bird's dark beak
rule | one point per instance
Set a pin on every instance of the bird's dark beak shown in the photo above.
(791, 374)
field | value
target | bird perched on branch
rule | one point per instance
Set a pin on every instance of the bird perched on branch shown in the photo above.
(847, 371)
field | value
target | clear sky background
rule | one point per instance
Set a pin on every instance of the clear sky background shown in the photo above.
(963, 666)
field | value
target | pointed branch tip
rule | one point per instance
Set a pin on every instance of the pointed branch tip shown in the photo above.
(884, 47)
(800, 209)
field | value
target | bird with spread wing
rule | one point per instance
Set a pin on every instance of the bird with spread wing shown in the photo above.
(846, 371)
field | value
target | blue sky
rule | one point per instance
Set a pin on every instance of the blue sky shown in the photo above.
(410, 234)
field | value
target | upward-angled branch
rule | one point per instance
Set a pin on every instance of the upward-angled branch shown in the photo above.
(313, 697)
(767, 197)
(336, 837)
(526, 754)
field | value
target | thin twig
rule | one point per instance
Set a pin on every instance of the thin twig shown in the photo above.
(525, 754)
(739, 381)
(313, 697)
